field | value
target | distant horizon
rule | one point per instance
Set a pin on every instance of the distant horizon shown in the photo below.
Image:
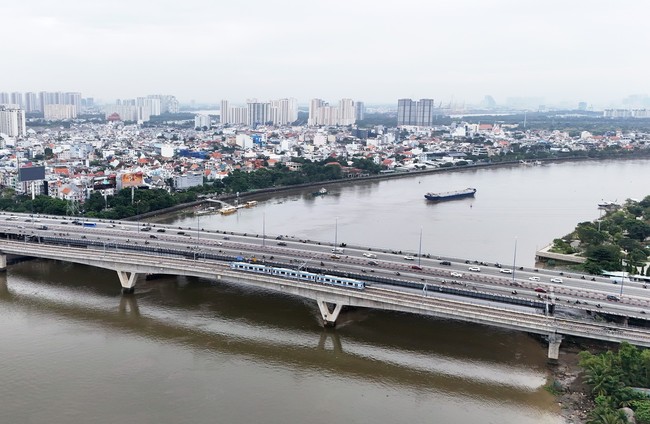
(556, 54)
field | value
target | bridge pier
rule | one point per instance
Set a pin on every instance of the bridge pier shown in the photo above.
(128, 281)
(329, 317)
(3, 263)
(554, 341)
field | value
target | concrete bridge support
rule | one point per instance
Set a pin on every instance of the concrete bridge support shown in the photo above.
(128, 281)
(329, 317)
(3, 263)
(554, 341)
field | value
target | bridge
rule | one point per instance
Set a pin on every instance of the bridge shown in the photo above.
(135, 250)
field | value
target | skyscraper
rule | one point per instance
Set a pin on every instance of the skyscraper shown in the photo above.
(417, 113)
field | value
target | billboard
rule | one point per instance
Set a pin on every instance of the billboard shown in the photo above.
(31, 173)
(131, 179)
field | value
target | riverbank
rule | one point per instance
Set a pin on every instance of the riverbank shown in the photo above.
(566, 382)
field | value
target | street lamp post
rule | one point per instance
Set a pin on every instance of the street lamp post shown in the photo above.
(420, 249)
(336, 234)
(263, 229)
(514, 261)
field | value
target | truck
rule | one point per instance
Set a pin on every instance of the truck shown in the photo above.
(89, 224)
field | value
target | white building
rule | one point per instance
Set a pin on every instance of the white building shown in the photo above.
(12, 121)
(59, 112)
(201, 121)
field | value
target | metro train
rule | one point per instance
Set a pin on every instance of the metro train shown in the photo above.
(300, 275)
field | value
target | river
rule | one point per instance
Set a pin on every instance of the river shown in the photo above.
(190, 350)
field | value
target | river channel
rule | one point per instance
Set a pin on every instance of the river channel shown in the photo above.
(74, 350)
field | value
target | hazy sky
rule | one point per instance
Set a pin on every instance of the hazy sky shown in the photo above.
(377, 51)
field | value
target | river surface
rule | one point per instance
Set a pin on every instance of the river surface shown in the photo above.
(74, 350)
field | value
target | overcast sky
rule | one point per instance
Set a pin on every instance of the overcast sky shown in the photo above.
(376, 51)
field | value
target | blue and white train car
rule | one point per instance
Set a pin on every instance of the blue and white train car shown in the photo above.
(299, 275)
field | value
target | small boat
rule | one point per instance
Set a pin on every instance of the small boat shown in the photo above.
(227, 210)
(608, 205)
(450, 195)
(250, 203)
(321, 192)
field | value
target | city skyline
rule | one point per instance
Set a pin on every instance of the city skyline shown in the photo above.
(453, 52)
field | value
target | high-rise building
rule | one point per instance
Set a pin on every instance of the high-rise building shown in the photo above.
(152, 104)
(201, 121)
(224, 112)
(12, 121)
(314, 105)
(284, 111)
(59, 112)
(17, 99)
(258, 113)
(321, 113)
(417, 113)
(31, 102)
(168, 103)
(346, 112)
(359, 111)
(5, 99)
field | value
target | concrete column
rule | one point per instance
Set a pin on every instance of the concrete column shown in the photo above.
(127, 280)
(554, 341)
(3, 263)
(329, 317)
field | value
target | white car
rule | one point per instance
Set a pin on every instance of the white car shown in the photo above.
(505, 271)
(370, 255)
(409, 258)
(556, 280)
(456, 274)
(474, 268)
(533, 278)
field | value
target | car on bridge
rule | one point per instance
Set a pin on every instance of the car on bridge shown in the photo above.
(556, 280)
(540, 290)
(534, 278)
(445, 263)
(370, 255)
(474, 268)
(505, 271)
(281, 243)
(160, 230)
(456, 274)
(416, 267)
(373, 263)
(612, 297)
(409, 258)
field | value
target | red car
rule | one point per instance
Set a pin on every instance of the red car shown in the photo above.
(419, 268)
(540, 290)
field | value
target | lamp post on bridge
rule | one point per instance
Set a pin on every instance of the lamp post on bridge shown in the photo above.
(514, 261)
(263, 229)
(420, 251)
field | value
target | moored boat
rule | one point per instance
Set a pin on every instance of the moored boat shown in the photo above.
(321, 192)
(449, 195)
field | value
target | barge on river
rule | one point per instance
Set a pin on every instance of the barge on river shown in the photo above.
(450, 195)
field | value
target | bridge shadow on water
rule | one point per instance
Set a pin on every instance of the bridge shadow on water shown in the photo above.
(226, 319)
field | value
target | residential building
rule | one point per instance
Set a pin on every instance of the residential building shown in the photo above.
(415, 113)
(59, 112)
(201, 121)
(12, 121)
